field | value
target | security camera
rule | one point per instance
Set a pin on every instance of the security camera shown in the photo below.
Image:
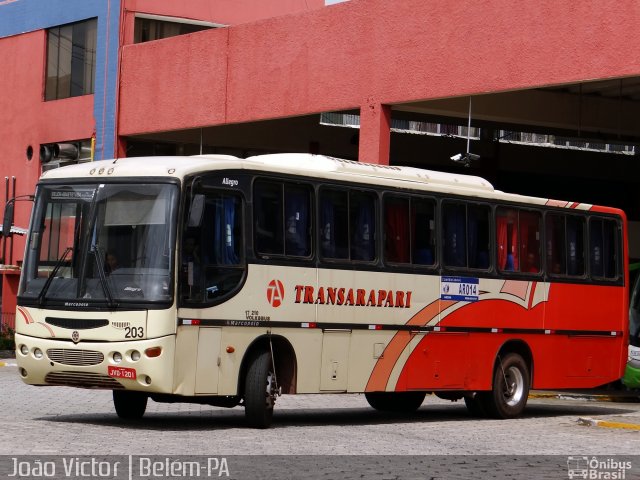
(465, 158)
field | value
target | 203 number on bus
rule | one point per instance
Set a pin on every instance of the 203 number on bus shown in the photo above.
(133, 332)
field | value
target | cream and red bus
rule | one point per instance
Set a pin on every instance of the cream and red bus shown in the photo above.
(227, 281)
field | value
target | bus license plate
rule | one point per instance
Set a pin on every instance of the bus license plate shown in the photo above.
(122, 372)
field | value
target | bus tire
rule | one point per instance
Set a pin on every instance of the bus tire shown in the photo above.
(259, 391)
(129, 405)
(511, 380)
(406, 402)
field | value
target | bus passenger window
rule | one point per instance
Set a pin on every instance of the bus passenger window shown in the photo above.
(334, 224)
(268, 218)
(466, 235)
(555, 238)
(423, 224)
(455, 235)
(478, 236)
(507, 239)
(518, 240)
(297, 203)
(363, 222)
(603, 248)
(212, 263)
(575, 246)
(529, 226)
(396, 229)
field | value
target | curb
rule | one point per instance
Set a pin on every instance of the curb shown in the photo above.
(7, 358)
(616, 398)
(590, 422)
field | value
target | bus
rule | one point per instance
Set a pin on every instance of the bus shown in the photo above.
(631, 379)
(227, 281)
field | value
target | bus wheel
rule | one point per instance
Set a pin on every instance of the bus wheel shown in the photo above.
(129, 405)
(395, 401)
(510, 392)
(259, 391)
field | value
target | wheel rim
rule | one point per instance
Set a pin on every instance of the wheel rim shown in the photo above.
(513, 386)
(270, 390)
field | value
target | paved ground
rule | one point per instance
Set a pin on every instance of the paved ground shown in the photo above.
(67, 421)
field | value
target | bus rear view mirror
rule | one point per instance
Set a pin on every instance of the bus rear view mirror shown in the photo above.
(7, 221)
(196, 210)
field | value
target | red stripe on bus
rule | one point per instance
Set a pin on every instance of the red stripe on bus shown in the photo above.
(25, 315)
(384, 366)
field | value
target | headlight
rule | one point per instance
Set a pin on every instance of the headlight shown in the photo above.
(135, 355)
(24, 350)
(37, 353)
(117, 357)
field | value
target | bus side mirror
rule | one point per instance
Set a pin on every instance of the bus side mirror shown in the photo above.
(196, 210)
(7, 221)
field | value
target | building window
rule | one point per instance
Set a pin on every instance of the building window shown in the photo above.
(148, 29)
(71, 60)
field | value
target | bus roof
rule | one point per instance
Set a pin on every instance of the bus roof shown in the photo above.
(316, 166)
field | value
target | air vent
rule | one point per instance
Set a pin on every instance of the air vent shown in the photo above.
(83, 380)
(69, 356)
(76, 323)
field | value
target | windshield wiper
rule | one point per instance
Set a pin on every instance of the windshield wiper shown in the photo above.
(103, 276)
(56, 267)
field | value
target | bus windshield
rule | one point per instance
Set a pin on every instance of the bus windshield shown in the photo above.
(101, 245)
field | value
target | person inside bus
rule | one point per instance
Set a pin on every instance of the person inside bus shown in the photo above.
(510, 264)
(532, 263)
(110, 263)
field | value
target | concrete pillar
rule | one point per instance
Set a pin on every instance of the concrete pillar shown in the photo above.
(375, 133)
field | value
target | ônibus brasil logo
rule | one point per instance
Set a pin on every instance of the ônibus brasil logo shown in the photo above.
(275, 293)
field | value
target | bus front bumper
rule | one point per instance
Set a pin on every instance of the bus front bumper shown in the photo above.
(631, 377)
(142, 365)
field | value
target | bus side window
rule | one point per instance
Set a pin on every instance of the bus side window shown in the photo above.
(575, 245)
(518, 240)
(529, 223)
(610, 246)
(603, 248)
(334, 224)
(478, 233)
(297, 201)
(595, 248)
(268, 218)
(363, 222)
(212, 263)
(423, 225)
(507, 239)
(555, 238)
(455, 234)
(466, 235)
(396, 229)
